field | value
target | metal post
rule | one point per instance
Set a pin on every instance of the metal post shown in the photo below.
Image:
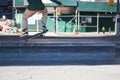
(55, 18)
(79, 21)
(37, 25)
(13, 3)
(117, 6)
(117, 29)
(56, 21)
(76, 21)
(98, 23)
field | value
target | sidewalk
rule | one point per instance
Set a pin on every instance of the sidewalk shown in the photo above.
(66, 34)
(80, 34)
(83, 72)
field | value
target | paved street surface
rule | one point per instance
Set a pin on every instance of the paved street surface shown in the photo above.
(77, 72)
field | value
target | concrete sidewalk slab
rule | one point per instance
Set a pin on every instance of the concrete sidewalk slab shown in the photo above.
(83, 72)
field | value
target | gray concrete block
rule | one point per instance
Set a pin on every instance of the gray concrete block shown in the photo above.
(62, 53)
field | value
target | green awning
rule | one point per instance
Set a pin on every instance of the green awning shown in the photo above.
(64, 2)
(21, 3)
(95, 7)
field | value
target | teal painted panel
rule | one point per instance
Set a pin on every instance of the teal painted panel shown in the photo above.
(50, 4)
(21, 3)
(50, 24)
(61, 26)
(64, 2)
(19, 20)
(96, 7)
(18, 3)
(70, 26)
(69, 2)
(32, 28)
(83, 28)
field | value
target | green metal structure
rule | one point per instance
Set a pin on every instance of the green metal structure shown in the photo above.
(95, 7)
(100, 15)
